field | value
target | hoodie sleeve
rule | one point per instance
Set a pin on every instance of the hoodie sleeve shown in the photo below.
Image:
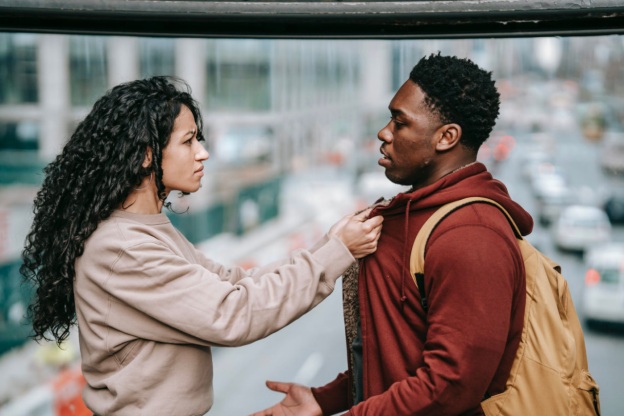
(334, 396)
(472, 273)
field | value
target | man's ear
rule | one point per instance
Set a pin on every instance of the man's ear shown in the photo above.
(147, 161)
(448, 137)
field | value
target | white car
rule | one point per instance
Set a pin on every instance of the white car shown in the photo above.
(603, 295)
(532, 160)
(580, 227)
(543, 182)
(552, 202)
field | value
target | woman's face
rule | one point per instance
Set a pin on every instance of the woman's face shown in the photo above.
(183, 157)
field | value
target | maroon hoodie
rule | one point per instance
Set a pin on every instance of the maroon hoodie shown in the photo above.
(444, 361)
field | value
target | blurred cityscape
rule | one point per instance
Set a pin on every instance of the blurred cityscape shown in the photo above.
(291, 127)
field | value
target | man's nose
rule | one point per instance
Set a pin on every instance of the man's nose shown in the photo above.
(385, 135)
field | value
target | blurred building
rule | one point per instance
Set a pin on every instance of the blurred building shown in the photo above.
(271, 108)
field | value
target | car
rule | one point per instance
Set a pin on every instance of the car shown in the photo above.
(543, 182)
(531, 161)
(614, 207)
(552, 201)
(603, 293)
(579, 227)
(612, 154)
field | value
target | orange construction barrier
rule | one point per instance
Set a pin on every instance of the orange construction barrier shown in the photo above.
(68, 386)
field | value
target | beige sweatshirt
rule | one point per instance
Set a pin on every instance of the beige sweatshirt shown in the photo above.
(150, 305)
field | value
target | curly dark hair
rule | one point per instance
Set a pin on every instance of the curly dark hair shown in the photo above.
(458, 91)
(98, 168)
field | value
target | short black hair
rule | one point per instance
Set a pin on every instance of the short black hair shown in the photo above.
(458, 91)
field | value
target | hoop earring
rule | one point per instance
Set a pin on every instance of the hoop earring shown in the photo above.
(147, 184)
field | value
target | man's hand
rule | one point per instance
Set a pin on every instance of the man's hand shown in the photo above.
(299, 401)
(359, 233)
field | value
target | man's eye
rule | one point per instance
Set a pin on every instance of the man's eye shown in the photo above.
(397, 122)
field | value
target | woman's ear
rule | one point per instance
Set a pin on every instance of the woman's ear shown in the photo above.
(449, 136)
(147, 161)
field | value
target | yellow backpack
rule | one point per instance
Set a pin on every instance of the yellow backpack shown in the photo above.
(549, 375)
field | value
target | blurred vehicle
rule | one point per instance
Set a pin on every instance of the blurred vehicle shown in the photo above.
(594, 120)
(614, 207)
(547, 179)
(580, 227)
(531, 160)
(552, 201)
(612, 153)
(603, 295)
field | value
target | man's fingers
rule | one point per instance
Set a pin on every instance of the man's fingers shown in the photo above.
(266, 412)
(278, 386)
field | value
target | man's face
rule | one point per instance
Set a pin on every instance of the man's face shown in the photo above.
(408, 140)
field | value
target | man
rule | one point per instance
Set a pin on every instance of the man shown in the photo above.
(446, 360)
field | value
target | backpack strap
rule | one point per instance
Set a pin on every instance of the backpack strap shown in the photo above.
(417, 257)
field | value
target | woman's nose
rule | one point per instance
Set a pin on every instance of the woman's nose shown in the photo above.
(202, 154)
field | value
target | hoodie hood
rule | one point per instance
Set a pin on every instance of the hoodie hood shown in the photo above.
(469, 181)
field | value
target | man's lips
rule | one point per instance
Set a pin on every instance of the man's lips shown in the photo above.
(384, 161)
(381, 150)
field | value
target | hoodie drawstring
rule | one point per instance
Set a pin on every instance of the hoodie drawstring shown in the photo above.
(405, 247)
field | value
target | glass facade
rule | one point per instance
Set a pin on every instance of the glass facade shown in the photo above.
(23, 135)
(18, 68)
(88, 69)
(156, 57)
(238, 74)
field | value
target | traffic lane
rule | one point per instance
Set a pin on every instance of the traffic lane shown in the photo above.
(578, 159)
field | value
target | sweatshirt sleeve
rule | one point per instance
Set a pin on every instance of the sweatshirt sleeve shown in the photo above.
(234, 273)
(156, 294)
(471, 274)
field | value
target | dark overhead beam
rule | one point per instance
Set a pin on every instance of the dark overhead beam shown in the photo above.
(315, 19)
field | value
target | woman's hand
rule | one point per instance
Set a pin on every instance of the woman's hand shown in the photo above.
(358, 232)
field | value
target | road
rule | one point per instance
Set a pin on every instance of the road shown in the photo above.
(579, 162)
(312, 350)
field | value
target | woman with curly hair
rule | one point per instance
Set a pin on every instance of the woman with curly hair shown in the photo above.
(148, 304)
